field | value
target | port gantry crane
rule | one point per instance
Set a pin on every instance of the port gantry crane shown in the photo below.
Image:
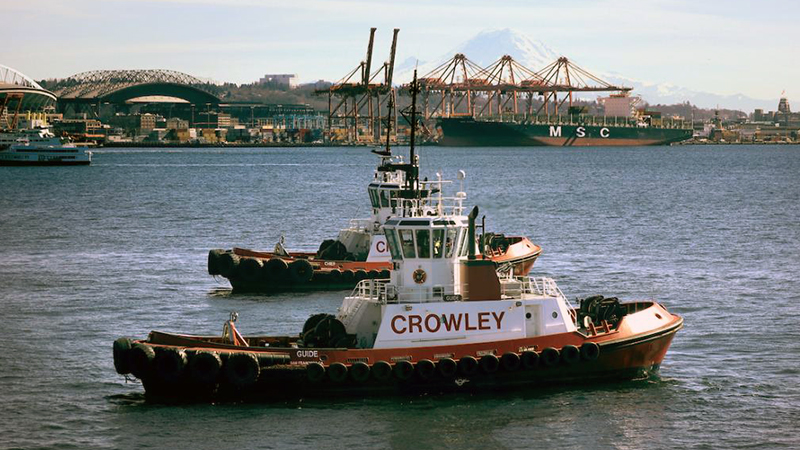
(356, 101)
(460, 87)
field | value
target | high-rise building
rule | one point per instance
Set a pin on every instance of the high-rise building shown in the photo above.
(783, 106)
(281, 79)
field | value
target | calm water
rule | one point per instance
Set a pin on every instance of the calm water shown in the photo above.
(119, 248)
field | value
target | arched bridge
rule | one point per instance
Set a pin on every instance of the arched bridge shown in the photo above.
(119, 86)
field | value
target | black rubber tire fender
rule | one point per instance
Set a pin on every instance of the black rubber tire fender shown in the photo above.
(250, 269)
(359, 372)
(550, 357)
(468, 365)
(337, 372)
(385, 274)
(590, 351)
(361, 274)
(447, 367)
(315, 372)
(141, 360)
(570, 354)
(489, 363)
(348, 276)
(425, 369)
(122, 349)
(274, 269)
(335, 276)
(227, 263)
(373, 274)
(300, 271)
(241, 369)
(403, 370)
(381, 371)
(169, 364)
(510, 362)
(530, 359)
(213, 261)
(205, 367)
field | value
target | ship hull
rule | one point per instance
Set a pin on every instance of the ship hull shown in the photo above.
(467, 132)
(634, 349)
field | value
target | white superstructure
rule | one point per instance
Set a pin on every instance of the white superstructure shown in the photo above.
(39, 147)
(441, 292)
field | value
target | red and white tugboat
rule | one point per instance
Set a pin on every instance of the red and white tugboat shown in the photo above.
(359, 252)
(446, 320)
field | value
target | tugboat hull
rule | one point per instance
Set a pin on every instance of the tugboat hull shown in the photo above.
(290, 372)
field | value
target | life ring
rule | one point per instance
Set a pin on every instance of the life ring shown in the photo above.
(468, 365)
(300, 271)
(250, 269)
(403, 370)
(213, 261)
(530, 359)
(227, 263)
(141, 357)
(550, 357)
(590, 351)
(241, 369)
(274, 269)
(419, 276)
(381, 371)
(315, 372)
(359, 372)
(570, 354)
(337, 372)
(169, 364)
(489, 363)
(510, 361)
(122, 348)
(447, 367)
(204, 368)
(425, 369)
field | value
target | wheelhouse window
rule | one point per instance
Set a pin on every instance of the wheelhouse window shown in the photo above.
(424, 243)
(438, 243)
(407, 243)
(394, 248)
(373, 198)
(450, 242)
(384, 194)
(464, 245)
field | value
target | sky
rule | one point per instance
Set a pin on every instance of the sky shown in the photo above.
(722, 47)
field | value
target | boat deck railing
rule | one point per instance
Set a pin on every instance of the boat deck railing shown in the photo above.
(382, 292)
(360, 224)
(590, 120)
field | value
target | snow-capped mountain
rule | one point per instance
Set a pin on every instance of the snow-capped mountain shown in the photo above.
(488, 46)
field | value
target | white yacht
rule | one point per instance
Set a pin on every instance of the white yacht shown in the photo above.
(39, 147)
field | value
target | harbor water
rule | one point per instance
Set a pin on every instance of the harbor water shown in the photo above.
(119, 248)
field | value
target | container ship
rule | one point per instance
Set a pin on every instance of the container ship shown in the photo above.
(623, 125)
(470, 132)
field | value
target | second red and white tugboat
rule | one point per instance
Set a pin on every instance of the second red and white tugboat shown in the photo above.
(359, 252)
(446, 320)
